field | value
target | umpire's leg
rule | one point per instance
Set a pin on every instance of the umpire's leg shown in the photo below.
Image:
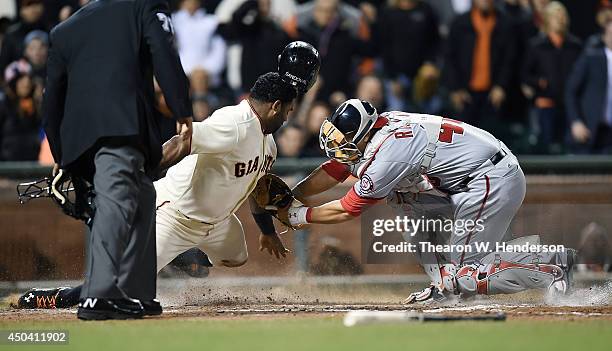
(118, 182)
(138, 274)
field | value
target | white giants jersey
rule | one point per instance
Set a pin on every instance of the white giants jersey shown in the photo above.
(229, 153)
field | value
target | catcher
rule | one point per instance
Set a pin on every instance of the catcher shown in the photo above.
(401, 157)
(229, 155)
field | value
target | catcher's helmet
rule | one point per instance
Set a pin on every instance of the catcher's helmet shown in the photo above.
(299, 65)
(345, 128)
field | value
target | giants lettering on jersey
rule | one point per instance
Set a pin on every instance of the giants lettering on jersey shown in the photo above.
(242, 169)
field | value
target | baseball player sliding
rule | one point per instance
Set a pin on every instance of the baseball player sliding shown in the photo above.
(415, 160)
(218, 169)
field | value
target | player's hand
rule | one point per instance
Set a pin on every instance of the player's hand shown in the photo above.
(580, 132)
(420, 184)
(56, 168)
(497, 96)
(272, 244)
(184, 127)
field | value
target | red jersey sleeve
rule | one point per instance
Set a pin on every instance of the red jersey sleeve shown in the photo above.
(355, 204)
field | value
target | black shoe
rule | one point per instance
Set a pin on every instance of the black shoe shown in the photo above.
(93, 308)
(193, 263)
(43, 298)
(152, 307)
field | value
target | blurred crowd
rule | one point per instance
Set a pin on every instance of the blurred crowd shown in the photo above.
(535, 73)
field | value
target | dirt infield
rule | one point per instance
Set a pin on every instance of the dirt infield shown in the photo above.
(206, 299)
(271, 311)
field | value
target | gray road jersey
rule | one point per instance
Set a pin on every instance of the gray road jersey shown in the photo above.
(393, 157)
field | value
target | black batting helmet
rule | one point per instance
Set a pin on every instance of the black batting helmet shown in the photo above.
(299, 65)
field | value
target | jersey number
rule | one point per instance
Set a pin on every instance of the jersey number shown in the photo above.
(401, 135)
(448, 128)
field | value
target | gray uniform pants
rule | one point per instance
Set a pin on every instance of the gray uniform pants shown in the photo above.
(122, 241)
(493, 199)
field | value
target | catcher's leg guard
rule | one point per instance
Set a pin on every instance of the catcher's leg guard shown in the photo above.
(509, 272)
(443, 284)
(505, 277)
(437, 268)
(442, 275)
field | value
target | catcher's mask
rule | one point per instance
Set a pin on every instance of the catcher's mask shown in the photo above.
(345, 129)
(72, 194)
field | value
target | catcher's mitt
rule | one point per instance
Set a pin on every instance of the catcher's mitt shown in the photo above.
(271, 193)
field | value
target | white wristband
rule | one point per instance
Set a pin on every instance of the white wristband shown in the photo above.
(297, 215)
